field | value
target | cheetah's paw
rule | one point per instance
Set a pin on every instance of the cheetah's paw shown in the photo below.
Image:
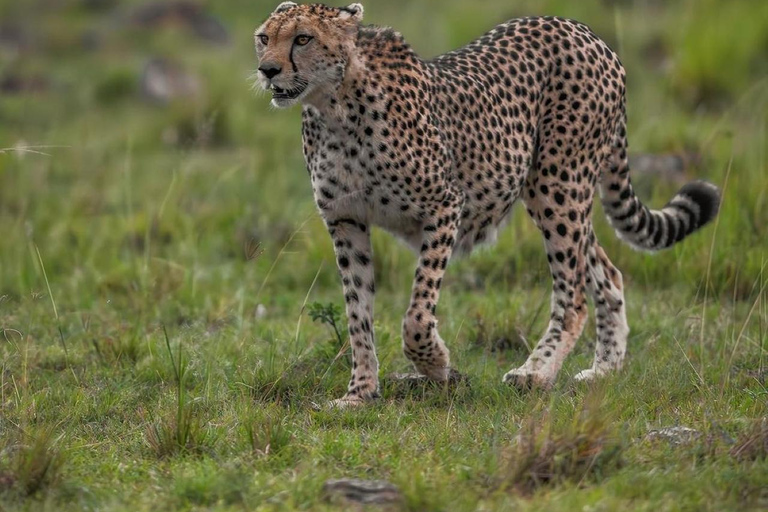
(593, 373)
(525, 379)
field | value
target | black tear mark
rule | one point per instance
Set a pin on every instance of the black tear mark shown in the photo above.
(295, 69)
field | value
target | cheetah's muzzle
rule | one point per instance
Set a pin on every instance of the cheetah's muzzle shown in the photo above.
(279, 93)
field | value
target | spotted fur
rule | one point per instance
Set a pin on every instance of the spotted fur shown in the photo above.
(438, 151)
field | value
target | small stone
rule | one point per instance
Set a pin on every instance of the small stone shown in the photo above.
(670, 167)
(7, 481)
(405, 383)
(164, 80)
(188, 14)
(454, 377)
(13, 84)
(674, 435)
(366, 492)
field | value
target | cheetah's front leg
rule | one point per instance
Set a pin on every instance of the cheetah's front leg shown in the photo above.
(421, 342)
(352, 243)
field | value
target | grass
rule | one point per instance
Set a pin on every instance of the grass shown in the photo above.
(540, 456)
(169, 302)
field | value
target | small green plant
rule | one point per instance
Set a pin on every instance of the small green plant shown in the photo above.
(328, 314)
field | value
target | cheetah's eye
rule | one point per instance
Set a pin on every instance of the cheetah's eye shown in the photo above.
(264, 39)
(302, 40)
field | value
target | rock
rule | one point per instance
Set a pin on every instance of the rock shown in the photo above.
(163, 81)
(674, 435)
(261, 311)
(407, 382)
(17, 84)
(671, 167)
(92, 40)
(181, 12)
(98, 5)
(14, 40)
(7, 481)
(365, 492)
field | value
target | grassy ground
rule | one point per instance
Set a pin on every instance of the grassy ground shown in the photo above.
(156, 262)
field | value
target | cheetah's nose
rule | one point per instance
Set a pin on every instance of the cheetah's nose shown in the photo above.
(270, 70)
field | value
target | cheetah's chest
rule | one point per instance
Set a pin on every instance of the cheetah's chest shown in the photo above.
(348, 183)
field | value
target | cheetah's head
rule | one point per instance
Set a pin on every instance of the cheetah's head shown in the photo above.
(304, 50)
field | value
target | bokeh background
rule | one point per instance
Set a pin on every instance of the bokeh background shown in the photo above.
(159, 156)
(152, 204)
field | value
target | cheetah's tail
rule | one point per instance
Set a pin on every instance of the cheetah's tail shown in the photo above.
(644, 229)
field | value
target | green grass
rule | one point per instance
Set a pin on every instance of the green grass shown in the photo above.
(157, 350)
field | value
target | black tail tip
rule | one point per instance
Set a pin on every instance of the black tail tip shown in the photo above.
(706, 196)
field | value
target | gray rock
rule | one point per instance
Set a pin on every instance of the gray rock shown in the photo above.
(403, 385)
(670, 167)
(181, 12)
(164, 80)
(366, 492)
(418, 380)
(19, 84)
(14, 40)
(674, 435)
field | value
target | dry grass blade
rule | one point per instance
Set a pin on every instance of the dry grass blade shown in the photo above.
(252, 249)
(753, 444)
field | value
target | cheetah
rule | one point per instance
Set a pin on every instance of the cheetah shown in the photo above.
(438, 151)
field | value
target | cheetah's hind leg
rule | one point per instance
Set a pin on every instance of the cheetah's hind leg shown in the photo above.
(606, 287)
(563, 220)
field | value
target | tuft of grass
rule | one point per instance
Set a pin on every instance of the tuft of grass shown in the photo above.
(543, 455)
(181, 431)
(172, 435)
(30, 462)
(266, 436)
(211, 485)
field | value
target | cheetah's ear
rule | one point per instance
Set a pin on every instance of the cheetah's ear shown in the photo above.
(285, 6)
(352, 11)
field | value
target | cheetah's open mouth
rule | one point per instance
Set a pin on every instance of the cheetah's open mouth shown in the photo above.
(279, 93)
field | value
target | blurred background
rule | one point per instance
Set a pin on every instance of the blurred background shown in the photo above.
(137, 159)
